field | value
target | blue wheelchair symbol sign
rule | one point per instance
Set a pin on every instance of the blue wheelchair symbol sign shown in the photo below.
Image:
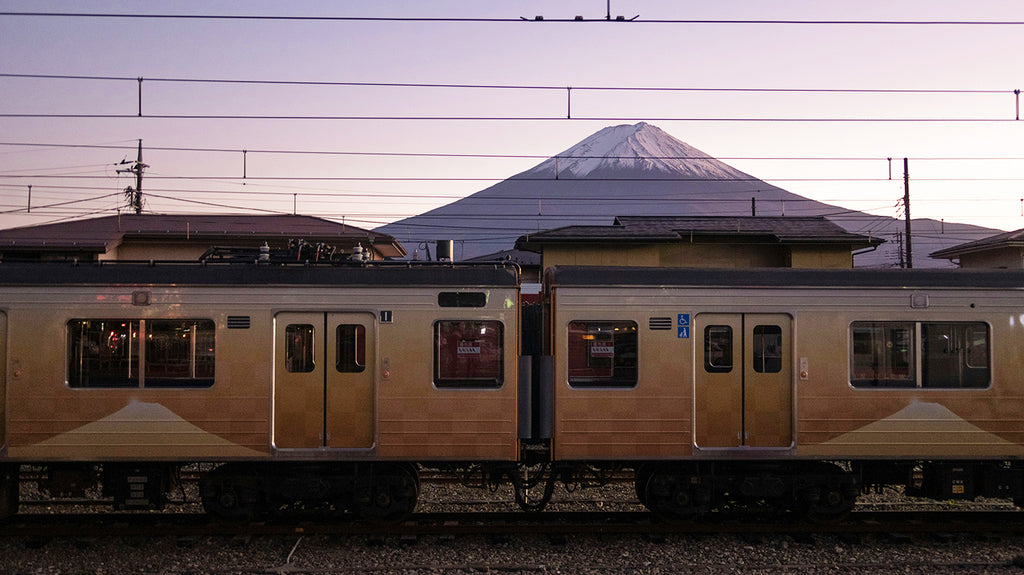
(683, 326)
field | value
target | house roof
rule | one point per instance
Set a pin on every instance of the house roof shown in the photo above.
(656, 229)
(99, 235)
(1014, 239)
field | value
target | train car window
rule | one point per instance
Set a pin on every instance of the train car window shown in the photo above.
(298, 351)
(179, 353)
(718, 349)
(351, 352)
(602, 354)
(111, 353)
(469, 353)
(767, 348)
(461, 299)
(954, 355)
(883, 354)
(103, 353)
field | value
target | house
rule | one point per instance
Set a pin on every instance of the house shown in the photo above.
(998, 251)
(185, 237)
(702, 241)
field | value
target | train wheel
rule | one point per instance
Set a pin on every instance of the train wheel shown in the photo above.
(388, 494)
(675, 495)
(832, 497)
(9, 477)
(230, 493)
(643, 477)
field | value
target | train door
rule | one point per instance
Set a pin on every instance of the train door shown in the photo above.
(324, 380)
(743, 394)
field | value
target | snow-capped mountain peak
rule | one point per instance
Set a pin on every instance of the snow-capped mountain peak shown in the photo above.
(631, 151)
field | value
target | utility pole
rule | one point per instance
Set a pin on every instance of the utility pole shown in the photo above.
(134, 195)
(906, 211)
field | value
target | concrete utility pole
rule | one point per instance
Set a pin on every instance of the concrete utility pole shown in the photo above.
(134, 195)
(906, 211)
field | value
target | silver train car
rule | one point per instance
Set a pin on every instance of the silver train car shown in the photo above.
(332, 387)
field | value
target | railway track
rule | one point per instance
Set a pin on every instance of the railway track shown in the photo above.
(905, 523)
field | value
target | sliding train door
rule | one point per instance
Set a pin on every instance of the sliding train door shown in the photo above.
(324, 380)
(743, 394)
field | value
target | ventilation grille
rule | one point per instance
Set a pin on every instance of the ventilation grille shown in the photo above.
(660, 323)
(239, 322)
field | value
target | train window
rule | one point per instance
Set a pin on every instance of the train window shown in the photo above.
(883, 354)
(602, 354)
(351, 352)
(108, 353)
(298, 348)
(468, 353)
(179, 353)
(461, 299)
(718, 349)
(952, 354)
(767, 349)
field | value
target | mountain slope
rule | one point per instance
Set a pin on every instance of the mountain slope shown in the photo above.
(638, 170)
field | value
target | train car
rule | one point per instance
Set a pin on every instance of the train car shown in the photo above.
(282, 384)
(789, 388)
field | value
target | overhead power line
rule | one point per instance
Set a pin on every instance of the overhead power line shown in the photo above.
(500, 156)
(569, 115)
(535, 19)
(560, 88)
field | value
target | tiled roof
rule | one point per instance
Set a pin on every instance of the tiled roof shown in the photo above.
(780, 229)
(1006, 240)
(101, 234)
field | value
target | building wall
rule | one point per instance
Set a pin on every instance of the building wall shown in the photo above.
(719, 255)
(820, 257)
(1010, 258)
(156, 251)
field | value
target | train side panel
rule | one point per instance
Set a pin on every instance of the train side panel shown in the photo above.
(399, 372)
(447, 380)
(623, 388)
(789, 372)
(70, 400)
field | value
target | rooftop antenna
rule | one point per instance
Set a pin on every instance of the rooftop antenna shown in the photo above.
(134, 195)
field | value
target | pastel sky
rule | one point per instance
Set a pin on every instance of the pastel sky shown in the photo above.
(966, 161)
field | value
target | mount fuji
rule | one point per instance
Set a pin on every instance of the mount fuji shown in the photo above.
(640, 170)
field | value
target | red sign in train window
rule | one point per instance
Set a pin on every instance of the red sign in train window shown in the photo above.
(602, 354)
(468, 353)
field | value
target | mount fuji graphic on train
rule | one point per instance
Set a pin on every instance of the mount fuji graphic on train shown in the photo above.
(640, 170)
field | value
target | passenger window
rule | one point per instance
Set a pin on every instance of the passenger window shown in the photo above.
(767, 349)
(468, 353)
(718, 349)
(351, 352)
(298, 348)
(108, 353)
(883, 354)
(953, 355)
(179, 353)
(602, 354)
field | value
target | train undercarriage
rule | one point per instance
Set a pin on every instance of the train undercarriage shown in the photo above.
(385, 492)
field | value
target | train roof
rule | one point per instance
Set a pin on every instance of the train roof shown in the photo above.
(239, 274)
(783, 277)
